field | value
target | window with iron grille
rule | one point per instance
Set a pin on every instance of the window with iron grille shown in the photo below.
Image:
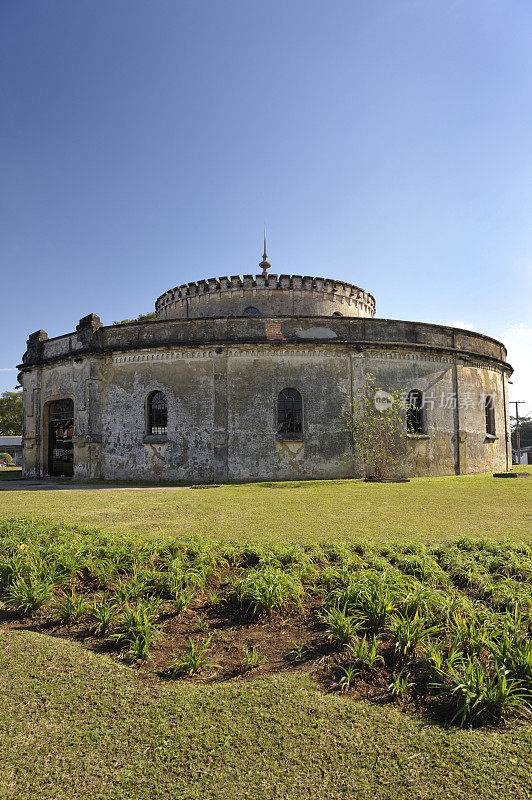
(157, 414)
(414, 412)
(251, 311)
(289, 412)
(489, 412)
(62, 409)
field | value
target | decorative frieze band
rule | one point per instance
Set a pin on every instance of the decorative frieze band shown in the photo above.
(167, 355)
(249, 352)
(310, 351)
(397, 355)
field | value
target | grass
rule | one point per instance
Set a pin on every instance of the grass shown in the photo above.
(457, 617)
(79, 718)
(82, 726)
(424, 510)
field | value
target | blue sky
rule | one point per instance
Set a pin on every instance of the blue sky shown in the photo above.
(143, 144)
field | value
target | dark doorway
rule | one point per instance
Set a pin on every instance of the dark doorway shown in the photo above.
(60, 433)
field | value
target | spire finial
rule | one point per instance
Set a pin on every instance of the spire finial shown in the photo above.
(265, 264)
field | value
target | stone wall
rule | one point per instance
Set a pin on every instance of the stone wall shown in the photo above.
(271, 295)
(222, 396)
(91, 337)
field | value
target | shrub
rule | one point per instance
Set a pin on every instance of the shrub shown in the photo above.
(104, 570)
(375, 607)
(421, 600)
(71, 607)
(364, 654)
(341, 628)
(215, 597)
(134, 588)
(437, 657)
(348, 678)
(252, 658)
(476, 691)
(465, 634)
(512, 651)
(137, 629)
(138, 645)
(409, 633)
(182, 599)
(423, 568)
(201, 623)
(103, 612)
(13, 566)
(297, 653)
(196, 577)
(281, 555)
(269, 589)
(400, 685)
(194, 658)
(371, 596)
(31, 592)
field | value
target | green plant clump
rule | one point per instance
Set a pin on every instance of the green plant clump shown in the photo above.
(269, 589)
(195, 658)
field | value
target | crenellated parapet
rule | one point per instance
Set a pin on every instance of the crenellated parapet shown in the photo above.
(264, 295)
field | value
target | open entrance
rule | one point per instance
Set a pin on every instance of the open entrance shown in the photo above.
(60, 433)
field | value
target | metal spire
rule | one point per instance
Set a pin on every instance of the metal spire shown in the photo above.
(265, 264)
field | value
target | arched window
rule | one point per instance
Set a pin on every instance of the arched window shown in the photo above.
(251, 311)
(337, 314)
(489, 412)
(289, 412)
(157, 414)
(414, 412)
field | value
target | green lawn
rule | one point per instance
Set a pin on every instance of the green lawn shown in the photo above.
(77, 724)
(81, 726)
(424, 510)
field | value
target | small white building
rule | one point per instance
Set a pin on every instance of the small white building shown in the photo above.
(13, 446)
(526, 456)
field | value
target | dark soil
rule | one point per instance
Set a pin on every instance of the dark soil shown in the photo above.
(293, 641)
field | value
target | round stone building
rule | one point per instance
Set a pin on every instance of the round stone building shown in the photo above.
(246, 378)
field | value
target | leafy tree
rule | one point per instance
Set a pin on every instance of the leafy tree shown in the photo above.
(11, 414)
(525, 429)
(376, 424)
(7, 458)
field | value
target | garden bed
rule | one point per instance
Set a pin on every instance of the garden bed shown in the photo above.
(443, 631)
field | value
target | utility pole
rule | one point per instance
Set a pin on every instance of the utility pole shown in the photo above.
(517, 431)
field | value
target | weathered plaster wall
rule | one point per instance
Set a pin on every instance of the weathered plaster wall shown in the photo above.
(78, 380)
(479, 452)
(222, 410)
(255, 378)
(187, 452)
(454, 392)
(95, 338)
(435, 453)
(271, 295)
